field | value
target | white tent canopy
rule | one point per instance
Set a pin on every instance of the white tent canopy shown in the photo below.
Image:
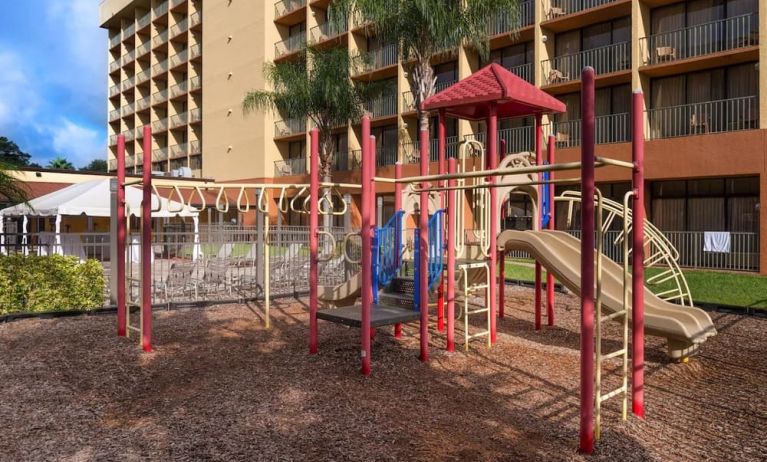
(93, 199)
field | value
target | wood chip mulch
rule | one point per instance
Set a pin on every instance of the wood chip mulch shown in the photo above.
(221, 387)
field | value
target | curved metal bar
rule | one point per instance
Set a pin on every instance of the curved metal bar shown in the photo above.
(283, 208)
(219, 208)
(293, 201)
(333, 247)
(263, 201)
(242, 193)
(171, 209)
(345, 245)
(198, 192)
(159, 200)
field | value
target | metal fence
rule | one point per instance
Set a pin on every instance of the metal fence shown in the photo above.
(564, 7)
(606, 59)
(702, 39)
(613, 128)
(700, 118)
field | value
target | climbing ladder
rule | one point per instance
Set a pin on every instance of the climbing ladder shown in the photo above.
(470, 290)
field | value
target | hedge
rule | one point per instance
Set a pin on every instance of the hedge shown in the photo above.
(49, 283)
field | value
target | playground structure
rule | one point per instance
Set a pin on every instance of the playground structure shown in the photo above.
(450, 268)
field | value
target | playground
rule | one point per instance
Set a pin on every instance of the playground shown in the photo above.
(222, 387)
(623, 361)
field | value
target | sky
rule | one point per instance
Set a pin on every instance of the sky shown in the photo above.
(53, 79)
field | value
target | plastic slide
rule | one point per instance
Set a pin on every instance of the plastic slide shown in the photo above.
(344, 294)
(684, 327)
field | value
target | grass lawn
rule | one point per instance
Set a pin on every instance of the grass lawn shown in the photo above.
(738, 289)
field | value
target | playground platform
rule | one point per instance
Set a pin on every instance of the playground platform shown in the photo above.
(381, 315)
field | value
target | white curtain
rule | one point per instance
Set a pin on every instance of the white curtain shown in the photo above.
(58, 249)
(24, 223)
(197, 250)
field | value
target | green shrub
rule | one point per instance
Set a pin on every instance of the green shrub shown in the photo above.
(49, 283)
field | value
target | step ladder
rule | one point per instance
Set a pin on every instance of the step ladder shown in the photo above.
(472, 289)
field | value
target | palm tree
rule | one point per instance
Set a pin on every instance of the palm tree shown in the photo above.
(423, 29)
(11, 190)
(315, 86)
(60, 163)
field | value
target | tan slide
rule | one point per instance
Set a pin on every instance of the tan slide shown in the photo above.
(344, 294)
(684, 327)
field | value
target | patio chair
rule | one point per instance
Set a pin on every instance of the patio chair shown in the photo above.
(698, 123)
(556, 11)
(217, 276)
(556, 76)
(178, 283)
(665, 53)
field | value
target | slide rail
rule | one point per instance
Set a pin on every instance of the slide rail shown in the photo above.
(436, 252)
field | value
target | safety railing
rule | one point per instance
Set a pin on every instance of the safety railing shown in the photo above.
(160, 39)
(702, 39)
(160, 125)
(326, 31)
(128, 83)
(143, 49)
(284, 7)
(114, 90)
(129, 57)
(179, 150)
(523, 71)
(436, 252)
(179, 89)
(701, 118)
(606, 59)
(411, 152)
(378, 58)
(175, 3)
(112, 140)
(144, 21)
(143, 103)
(114, 115)
(195, 147)
(504, 21)
(195, 51)
(160, 10)
(143, 76)
(343, 161)
(115, 65)
(518, 139)
(387, 249)
(742, 255)
(115, 40)
(128, 109)
(289, 45)
(382, 106)
(195, 83)
(179, 58)
(129, 30)
(179, 28)
(160, 96)
(289, 127)
(160, 154)
(160, 68)
(559, 8)
(195, 115)
(408, 101)
(195, 19)
(179, 120)
(613, 128)
(288, 167)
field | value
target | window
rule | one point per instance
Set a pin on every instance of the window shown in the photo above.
(296, 150)
(512, 56)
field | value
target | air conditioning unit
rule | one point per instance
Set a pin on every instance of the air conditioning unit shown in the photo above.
(158, 173)
(185, 172)
(175, 173)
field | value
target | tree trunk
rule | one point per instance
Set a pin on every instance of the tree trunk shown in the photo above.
(423, 87)
(326, 154)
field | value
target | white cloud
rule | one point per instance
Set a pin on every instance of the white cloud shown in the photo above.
(18, 101)
(76, 143)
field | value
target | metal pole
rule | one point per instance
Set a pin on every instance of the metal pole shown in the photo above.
(587, 262)
(398, 236)
(314, 198)
(538, 217)
(374, 222)
(423, 225)
(442, 170)
(451, 218)
(146, 244)
(367, 251)
(120, 238)
(502, 252)
(552, 214)
(637, 301)
(492, 163)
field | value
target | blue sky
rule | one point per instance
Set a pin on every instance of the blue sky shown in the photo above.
(53, 79)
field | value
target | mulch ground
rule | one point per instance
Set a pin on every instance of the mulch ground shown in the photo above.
(221, 387)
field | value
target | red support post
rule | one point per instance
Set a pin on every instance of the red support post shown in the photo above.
(637, 282)
(314, 224)
(492, 162)
(146, 244)
(423, 231)
(373, 206)
(451, 211)
(122, 318)
(398, 206)
(552, 214)
(588, 122)
(539, 217)
(367, 250)
(442, 170)
(502, 252)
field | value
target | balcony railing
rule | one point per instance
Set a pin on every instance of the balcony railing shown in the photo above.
(128, 109)
(179, 89)
(160, 68)
(195, 51)
(160, 125)
(612, 128)
(129, 83)
(116, 40)
(195, 83)
(195, 115)
(179, 28)
(129, 135)
(115, 65)
(560, 8)
(111, 164)
(326, 31)
(114, 115)
(178, 150)
(160, 96)
(379, 58)
(384, 156)
(343, 161)
(159, 155)
(179, 120)
(144, 21)
(408, 101)
(504, 22)
(175, 3)
(143, 103)
(703, 39)
(143, 49)
(195, 147)
(383, 106)
(289, 45)
(288, 167)
(523, 71)
(411, 151)
(289, 127)
(195, 19)
(604, 60)
(160, 9)
(114, 90)
(518, 139)
(160, 39)
(284, 7)
(129, 57)
(443, 85)
(143, 76)
(707, 117)
(129, 30)
(179, 58)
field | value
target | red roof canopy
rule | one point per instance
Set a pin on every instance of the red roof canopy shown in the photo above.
(472, 97)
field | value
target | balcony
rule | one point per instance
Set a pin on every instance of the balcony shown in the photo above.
(504, 22)
(604, 60)
(289, 127)
(129, 57)
(160, 68)
(195, 116)
(129, 109)
(129, 135)
(143, 49)
(129, 30)
(114, 66)
(326, 31)
(178, 151)
(383, 106)
(114, 90)
(144, 21)
(290, 45)
(289, 167)
(703, 39)
(195, 83)
(411, 151)
(561, 8)
(143, 103)
(179, 89)
(377, 59)
(343, 161)
(112, 165)
(523, 71)
(179, 120)
(175, 3)
(114, 115)
(130, 161)
(115, 41)
(408, 102)
(179, 59)
(195, 147)
(179, 28)
(160, 10)
(195, 51)
(160, 96)
(161, 39)
(724, 115)
(195, 19)
(160, 125)
(612, 128)
(129, 83)
(143, 76)
(285, 7)
(159, 155)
